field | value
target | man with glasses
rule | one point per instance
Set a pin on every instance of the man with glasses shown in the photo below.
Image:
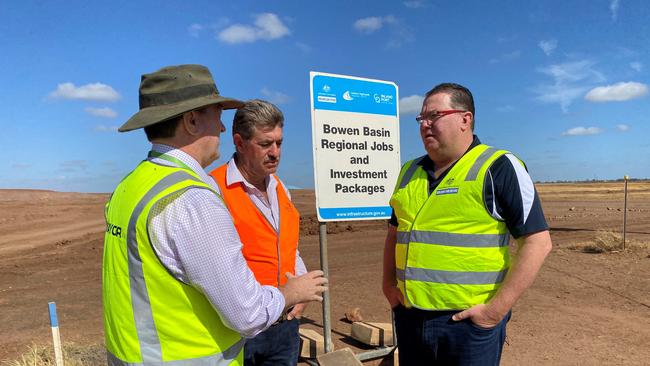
(447, 270)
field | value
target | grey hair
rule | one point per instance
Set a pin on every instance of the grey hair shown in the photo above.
(256, 113)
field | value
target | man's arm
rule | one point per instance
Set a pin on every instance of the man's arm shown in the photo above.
(389, 282)
(195, 238)
(532, 251)
(517, 203)
(301, 269)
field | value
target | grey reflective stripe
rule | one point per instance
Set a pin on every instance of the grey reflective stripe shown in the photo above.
(399, 274)
(410, 171)
(473, 171)
(403, 237)
(456, 240)
(452, 278)
(144, 324)
(222, 359)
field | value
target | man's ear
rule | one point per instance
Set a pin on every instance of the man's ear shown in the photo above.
(238, 141)
(190, 123)
(467, 121)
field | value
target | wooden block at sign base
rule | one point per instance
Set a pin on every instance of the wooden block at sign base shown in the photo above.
(373, 334)
(311, 343)
(341, 357)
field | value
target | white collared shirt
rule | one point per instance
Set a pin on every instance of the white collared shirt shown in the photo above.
(194, 236)
(269, 208)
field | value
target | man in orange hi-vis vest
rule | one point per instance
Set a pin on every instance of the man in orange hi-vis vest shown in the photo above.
(266, 220)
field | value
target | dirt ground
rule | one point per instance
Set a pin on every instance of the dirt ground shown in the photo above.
(584, 308)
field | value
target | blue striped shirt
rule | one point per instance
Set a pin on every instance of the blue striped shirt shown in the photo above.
(196, 240)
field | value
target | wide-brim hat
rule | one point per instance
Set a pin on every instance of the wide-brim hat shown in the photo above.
(174, 90)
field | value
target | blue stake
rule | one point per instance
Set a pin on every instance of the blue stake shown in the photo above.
(56, 336)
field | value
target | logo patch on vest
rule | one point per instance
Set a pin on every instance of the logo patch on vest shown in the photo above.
(452, 190)
(114, 230)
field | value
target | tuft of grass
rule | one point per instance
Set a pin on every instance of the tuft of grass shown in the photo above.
(607, 241)
(73, 355)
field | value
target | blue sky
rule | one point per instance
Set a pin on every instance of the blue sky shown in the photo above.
(562, 84)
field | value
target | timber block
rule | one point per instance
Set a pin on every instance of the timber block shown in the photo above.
(396, 357)
(373, 334)
(312, 344)
(341, 357)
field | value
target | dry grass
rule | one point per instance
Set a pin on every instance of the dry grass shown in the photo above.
(73, 355)
(606, 241)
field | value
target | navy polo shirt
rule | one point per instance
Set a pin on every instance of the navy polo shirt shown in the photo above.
(510, 195)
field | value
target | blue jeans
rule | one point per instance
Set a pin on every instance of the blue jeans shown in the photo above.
(433, 338)
(279, 345)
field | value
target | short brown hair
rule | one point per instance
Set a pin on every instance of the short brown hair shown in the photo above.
(460, 97)
(254, 114)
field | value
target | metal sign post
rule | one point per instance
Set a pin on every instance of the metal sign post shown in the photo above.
(355, 134)
(625, 211)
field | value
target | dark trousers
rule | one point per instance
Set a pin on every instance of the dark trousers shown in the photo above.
(279, 345)
(433, 338)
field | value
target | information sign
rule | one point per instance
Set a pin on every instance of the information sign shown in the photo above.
(355, 132)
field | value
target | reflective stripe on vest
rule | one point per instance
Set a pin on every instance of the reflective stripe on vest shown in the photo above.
(450, 252)
(150, 317)
(223, 359)
(269, 253)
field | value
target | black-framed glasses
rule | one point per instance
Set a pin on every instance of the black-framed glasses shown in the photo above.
(434, 115)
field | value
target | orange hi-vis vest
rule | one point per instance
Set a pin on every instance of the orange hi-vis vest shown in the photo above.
(269, 253)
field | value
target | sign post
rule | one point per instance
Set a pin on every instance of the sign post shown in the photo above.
(355, 134)
(625, 211)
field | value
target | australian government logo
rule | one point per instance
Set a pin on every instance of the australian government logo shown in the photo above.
(451, 190)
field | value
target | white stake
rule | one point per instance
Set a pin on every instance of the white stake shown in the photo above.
(56, 337)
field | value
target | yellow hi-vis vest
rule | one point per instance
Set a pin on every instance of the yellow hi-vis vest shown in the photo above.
(450, 252)
(150, 317)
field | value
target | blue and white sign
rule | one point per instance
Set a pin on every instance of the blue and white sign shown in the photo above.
(355, 132)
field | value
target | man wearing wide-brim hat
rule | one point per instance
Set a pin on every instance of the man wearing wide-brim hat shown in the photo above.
(176, 286)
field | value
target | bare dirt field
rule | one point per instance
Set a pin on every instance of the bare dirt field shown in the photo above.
(584, 309)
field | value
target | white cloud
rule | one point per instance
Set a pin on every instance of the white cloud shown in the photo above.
(573, 72)
(618, 92)
(275, 97)
(303, 47)
(548, 46)
(369, 25)
(95, 92)
(637, 66)
(266, 27)
(622, 127)
(399, 32)
(101, 112)
(569, 82)
(613, 7)
(195, 29)
(104, 128)
(411, 104)
(416, 4)
(582, 131)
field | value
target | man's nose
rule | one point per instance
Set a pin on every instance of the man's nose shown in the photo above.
(274, 150)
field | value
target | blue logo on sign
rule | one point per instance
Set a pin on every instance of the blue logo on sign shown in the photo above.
(353, 95)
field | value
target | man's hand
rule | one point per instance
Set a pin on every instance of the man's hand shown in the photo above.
(480, 315)
(393, 295)
(296, 312)
(305, 288)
